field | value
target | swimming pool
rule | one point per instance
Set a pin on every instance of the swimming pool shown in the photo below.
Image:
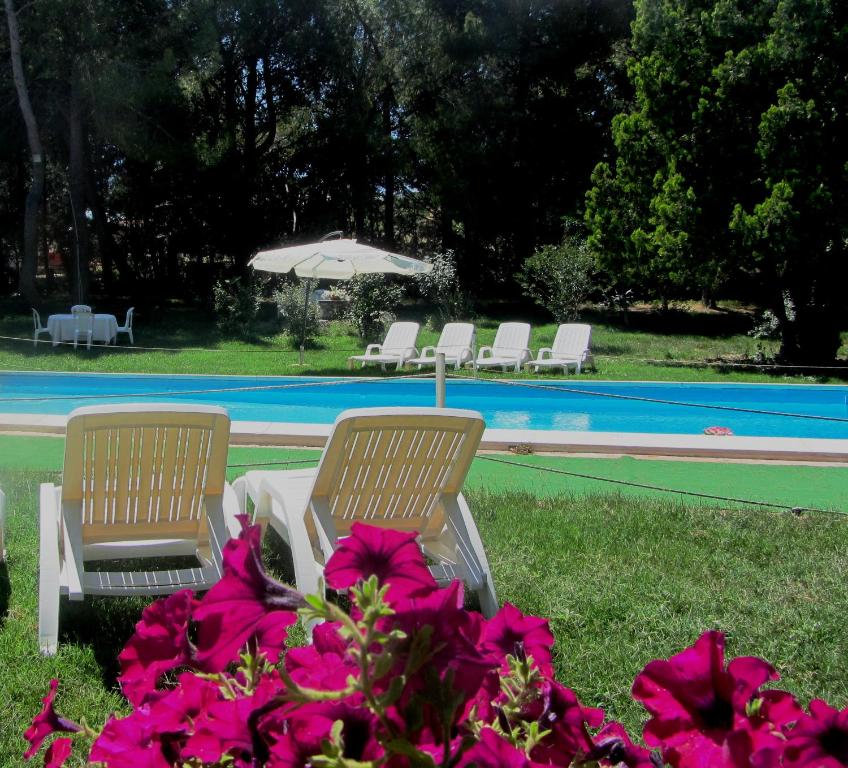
(572, 405)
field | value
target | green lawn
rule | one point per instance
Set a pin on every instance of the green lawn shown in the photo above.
(643, 350)
(623, 578)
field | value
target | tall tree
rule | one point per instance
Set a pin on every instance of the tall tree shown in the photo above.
(29, 262)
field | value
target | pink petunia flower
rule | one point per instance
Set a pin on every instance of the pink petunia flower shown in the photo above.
(47, 722)
(698, 706)
(57, 753)
(511, 632)
(559, 711)
(392, 556)
(819, 739)
(160, 643)
(493, 751)
(302, 731)
(613, 746)
(134, 741)
(246, 603)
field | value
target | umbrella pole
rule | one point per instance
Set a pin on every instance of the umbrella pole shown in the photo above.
(305, 311)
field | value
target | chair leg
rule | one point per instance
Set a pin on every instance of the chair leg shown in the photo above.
(48, 574)
(132, 340)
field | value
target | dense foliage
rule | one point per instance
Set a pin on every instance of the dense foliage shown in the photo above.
(181, 136)
(410, 679)
(731, 169)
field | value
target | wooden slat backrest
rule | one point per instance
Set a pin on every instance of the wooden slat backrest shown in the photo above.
(511, 338)
(144, 470)
(392, 465)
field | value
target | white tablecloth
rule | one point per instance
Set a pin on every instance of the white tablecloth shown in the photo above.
(61, 328)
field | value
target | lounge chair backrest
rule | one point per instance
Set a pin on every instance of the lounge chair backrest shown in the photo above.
(80, 308)
(137, 469)
(83, 321)
(511, 339)
(572, 340)
(400, 337)
(456, 337)
(391, 466)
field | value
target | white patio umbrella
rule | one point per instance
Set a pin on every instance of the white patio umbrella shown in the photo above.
(335, 259)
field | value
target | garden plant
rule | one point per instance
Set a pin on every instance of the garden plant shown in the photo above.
(408, 677)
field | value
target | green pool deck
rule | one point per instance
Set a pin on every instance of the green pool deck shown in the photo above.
(793, 485)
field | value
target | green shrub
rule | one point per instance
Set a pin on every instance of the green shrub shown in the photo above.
(441, 287)
(559, 278)
(301, 321)
(236, 305)
(373, 304)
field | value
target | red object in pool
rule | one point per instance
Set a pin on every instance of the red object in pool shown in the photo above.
(718, 431)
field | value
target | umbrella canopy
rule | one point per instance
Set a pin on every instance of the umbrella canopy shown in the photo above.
(336, 260)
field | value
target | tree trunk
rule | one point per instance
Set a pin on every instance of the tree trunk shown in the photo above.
(29, 262)
(77, 183)
(389, 197)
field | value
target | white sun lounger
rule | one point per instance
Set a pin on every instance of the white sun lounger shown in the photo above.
(400, 468)
(140, 480)
(511, 348)
(571, 347)
(456, 342)
(397, 348)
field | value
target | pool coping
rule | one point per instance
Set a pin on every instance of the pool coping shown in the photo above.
(268, 433)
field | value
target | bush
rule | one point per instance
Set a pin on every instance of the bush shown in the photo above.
(373, 303)
(290, 306)
(236, 305)
(410, 678)
(559, 277)
(441, 288)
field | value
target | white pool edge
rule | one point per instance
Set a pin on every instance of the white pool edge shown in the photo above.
(270, 433)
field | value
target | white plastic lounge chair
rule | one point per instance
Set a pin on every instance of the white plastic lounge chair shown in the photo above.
(511, 348)
(2, 526)
(399, 468)
(456, 342)
(140, 480)
(37, 327)
(127, 326)
(397, 348)
(571, 347)
(83, 327)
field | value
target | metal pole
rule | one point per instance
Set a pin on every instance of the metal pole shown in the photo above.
(440, 380)
(305, 311)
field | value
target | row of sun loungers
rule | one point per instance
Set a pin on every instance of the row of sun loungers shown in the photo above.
(510, 349)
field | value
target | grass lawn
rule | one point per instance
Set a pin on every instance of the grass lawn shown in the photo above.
(642, 350)
(624, 579)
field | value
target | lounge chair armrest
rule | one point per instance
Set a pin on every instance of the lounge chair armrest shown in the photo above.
(373, 348)
(71, 526)
(544, 352)
(483, 350)
(431, 350)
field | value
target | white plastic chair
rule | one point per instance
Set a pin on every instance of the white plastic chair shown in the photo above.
(400, 468)
(83, 327)
(571, 347)
(37, 327)
(2, 526)
(140, 480)
(456, 341)
(511, 348)
(397, 348)
(127, 326)
(80, 308)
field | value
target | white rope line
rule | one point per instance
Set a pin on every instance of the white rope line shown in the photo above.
(638, 398)
(255, 388)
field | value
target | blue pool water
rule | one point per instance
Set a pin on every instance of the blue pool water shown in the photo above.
(503, 406)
